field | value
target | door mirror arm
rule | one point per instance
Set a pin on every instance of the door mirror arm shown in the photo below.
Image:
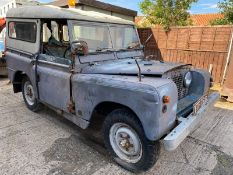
(79, 48)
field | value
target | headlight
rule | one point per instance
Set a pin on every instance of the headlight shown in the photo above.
(187, 79)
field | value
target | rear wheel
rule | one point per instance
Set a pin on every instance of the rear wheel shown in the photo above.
(29, 96)
(126, 141)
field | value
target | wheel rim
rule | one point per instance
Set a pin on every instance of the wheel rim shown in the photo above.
(29, 93)
(125, 142)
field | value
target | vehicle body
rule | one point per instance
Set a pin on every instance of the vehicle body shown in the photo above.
(95, 63)
(3, 70)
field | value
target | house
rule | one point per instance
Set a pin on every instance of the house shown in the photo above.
(205, 19)
(93, 5)
(197, 19)
(5, 5)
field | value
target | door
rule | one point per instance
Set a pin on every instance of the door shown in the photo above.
(53, 67)
(22, 46)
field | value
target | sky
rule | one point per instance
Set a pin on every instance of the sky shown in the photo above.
(202, 6)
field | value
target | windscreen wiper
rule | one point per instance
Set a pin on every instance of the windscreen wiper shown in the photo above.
(105, 49)
(118, 50)
(133, 45)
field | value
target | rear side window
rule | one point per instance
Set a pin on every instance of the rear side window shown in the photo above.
(25, 31)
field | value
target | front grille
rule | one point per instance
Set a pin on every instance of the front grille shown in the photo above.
(179, 81)
(178, 78)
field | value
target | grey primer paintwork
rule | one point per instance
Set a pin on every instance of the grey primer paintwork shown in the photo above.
(112, 79)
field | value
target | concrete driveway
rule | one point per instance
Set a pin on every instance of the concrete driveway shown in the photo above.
(45, 143)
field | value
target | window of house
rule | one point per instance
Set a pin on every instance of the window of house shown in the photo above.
(25, 31)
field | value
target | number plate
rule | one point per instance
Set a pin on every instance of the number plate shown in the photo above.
(202, 101)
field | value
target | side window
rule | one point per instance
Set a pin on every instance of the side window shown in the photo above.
(55, 45)
(25, 31)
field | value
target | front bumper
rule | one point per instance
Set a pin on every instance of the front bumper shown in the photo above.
(187, 125)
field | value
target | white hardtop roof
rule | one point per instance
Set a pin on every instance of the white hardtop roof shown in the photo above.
(53, 12)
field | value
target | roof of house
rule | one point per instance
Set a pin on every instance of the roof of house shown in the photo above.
(198, 19)
(53, 12)
(205, 19)
(138, 19)
(28, 2)
(20, 2)
(97, 4)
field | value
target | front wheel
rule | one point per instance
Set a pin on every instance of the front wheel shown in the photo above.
(126, 141)
(29, 95)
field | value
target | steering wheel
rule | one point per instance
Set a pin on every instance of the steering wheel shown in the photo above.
(65, 53)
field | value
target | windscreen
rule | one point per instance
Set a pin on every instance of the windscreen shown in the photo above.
(97, 37)
(103, 37)
(124, 37)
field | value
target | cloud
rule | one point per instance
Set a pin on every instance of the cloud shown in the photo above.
(191, 11)
(209, 6)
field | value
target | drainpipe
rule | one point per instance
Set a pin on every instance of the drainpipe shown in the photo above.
(228, 59)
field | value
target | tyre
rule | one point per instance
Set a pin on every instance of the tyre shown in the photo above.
(30, 100)
(126, 142)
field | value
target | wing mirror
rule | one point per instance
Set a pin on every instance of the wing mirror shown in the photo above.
(79, 48)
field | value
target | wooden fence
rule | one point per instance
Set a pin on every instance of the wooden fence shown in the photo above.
(199, 46)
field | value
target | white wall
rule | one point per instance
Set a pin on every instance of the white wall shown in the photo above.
(6, 6)
(88, 8)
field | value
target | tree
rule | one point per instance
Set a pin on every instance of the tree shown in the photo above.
(167, 13)
(227, 9)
